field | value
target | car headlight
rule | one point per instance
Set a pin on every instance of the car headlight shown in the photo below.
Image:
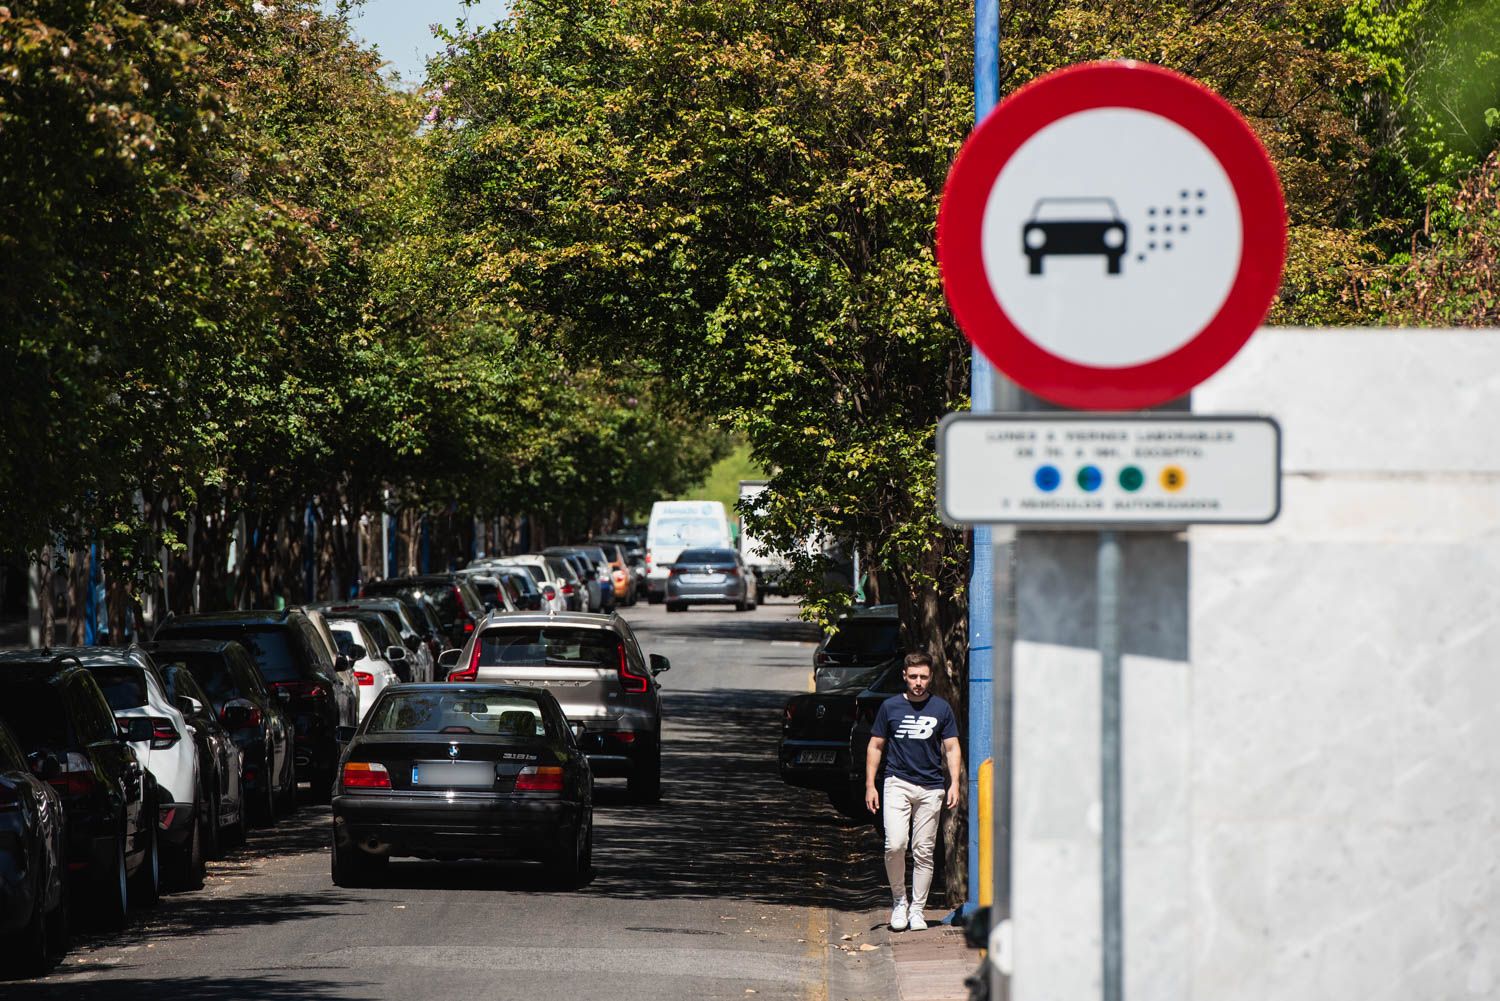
(1114, 238)
(1036, 238)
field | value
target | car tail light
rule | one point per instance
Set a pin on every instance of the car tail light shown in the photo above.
(366, 775)
(673, 572)
(649, 561)
(549, 592)
(546, 778)
(163, 733)
(364, 677)
(472, 671)
(164, 817)
(300, 689)
(76, 777)
(786, 712)
(623, 736)
(634, 684)
(468, 625)
(731, 571)
(567, 589)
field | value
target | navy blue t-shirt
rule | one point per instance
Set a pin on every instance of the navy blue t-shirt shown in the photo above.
(914, 733)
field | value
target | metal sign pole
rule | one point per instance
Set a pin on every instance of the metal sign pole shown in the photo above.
(1110, 781)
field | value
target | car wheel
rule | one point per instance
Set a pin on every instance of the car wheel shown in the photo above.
(573, 866)
(113, 894)
(352, 867)
(185, 864)
(653, 598)
(742, 605)
(26, 953)
(644, 783)
(213, 836)
(676, 606)
(145, 885)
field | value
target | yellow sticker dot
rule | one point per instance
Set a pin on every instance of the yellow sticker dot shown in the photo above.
(1173, 478)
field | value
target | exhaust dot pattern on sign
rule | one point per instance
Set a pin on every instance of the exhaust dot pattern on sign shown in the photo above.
(1190, 203)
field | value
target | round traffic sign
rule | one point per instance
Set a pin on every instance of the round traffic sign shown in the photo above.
(1111, 235)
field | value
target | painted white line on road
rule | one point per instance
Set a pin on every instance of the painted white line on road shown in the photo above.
(728, 642)
(793, 643)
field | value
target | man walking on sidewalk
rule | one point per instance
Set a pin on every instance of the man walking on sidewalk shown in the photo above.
(917, 733)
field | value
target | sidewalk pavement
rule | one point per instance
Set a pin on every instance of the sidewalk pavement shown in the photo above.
(931, 965)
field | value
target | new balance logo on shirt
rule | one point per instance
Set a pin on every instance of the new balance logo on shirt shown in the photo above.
(916, 728)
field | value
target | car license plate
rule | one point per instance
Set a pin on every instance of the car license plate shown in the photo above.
(815, 757)
(705, 578)
(453, 774)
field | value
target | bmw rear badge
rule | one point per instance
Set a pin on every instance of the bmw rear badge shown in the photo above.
(822, 711)
(452, 750)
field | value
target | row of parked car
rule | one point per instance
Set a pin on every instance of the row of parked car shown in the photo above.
(122, 770)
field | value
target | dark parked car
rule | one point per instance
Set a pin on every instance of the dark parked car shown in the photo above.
(33, 866)
(251, 715)
(463, 771)
(863, 639)
(522, 588)
(422, 635)
(68, 733)
(297, 664)
(492, 590)
(814, 752)
(222, 819)
(458, 605)
(592, 572)
(711, 577)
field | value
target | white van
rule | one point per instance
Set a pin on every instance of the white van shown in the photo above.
(674, 526)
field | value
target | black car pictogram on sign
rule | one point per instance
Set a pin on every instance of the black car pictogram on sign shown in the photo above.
(1074, 227)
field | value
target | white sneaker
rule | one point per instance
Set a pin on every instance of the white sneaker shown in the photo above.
(914, 919)
(898, 916)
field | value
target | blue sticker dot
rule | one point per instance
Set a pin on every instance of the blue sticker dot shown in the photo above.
(1047, 479)
(1090, 479)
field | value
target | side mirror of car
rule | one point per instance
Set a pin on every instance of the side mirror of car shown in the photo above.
(449, 658)
(343, 734)
(395, 653)
(355, 652)
(188, 705)
(659, 664)
(342, 663)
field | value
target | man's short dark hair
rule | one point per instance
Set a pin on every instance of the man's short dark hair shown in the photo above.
(918, 660)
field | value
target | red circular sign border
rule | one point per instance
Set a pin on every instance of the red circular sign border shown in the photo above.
(1111, 85)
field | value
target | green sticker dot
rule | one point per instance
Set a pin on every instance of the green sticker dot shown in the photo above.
(1131, 478)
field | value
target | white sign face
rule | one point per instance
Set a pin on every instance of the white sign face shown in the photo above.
(1112, 237)
(1142, 471)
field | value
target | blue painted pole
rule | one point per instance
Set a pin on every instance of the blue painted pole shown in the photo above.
(982, 567)
(91, 601)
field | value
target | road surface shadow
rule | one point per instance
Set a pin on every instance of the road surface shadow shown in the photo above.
(66, 984)
(727, 826)
(709, 624)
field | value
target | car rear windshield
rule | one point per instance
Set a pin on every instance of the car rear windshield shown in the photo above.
(210, 670)
(123, 684)
(535, 572)
(463, 712)
(271, 646)
(34, 710)
(346, 636)
(687, 532)
(713, 556)
(549, 645)
(866, 639)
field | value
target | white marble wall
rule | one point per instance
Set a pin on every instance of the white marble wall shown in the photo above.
(1312, 708)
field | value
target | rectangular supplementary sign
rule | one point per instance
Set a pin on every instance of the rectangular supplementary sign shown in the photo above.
(1123, 470)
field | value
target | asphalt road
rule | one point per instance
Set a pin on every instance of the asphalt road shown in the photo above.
(734, 886)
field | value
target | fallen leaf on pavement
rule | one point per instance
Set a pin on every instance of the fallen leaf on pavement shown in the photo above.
(867, 947)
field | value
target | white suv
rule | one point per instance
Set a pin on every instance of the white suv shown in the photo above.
(159, 734)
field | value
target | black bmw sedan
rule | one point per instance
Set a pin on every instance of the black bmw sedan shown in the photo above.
(450, 771)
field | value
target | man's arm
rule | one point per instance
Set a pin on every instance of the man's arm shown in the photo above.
(955, 758)
(872, 766)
